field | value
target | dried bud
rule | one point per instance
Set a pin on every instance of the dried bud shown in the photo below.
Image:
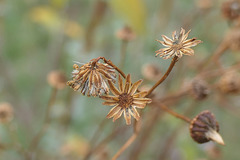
(229, 82)
(204, 4)
(126, 34)
(56, 79)
(199, 89)
(204, 128)
(92, 77)
(151, 72)
(231, 9)
(6, 112)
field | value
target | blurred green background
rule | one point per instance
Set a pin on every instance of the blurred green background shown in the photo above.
(39, 36)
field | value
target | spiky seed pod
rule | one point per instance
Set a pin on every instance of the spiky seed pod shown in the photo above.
(178, 46)
(151, 72)
(199, 89)
(6, 112)
(125, 100)
(126, 34)
(91, 78)
(229, 82)
(231, 9)
(205, 128)
(57, 79)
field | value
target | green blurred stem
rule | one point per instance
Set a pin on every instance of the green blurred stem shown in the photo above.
(123, 53)
(39, 135)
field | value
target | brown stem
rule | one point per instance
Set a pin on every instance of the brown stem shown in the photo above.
(215, 56)
(129, 141)
(123, 53)
(165, 108)
(103, 142)
(174, 60)
(35, 141)
(109, 62)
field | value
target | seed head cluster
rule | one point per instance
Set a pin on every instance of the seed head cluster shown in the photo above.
(91, 78)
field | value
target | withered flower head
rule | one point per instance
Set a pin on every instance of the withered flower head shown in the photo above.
(231, 9)
(125, 100)
(126, 34)
(91, 78)
(6, 112)
(56, 79)
(177, 46)
(229, 82)
(199, 89)
(205, 128)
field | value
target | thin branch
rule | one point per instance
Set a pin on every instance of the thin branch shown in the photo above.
(129, 141)
(175, 114)
(123, 53)
(174, 60)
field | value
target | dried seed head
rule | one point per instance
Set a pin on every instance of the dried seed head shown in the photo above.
(199, 89)
(231, 9)
(56, 79)
(233, 39)
(91, 78)
(204, 4)
(125, 100)
(126, 34)
(151, 72)
(6, 112)
(229, 82)
(204, 128)
(178, 46)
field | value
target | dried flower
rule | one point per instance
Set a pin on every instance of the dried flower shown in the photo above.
(229, 82)
(6, 112)
(151, 72)
(178, 46)
(199, 89)
(56, 79)
(231, 9)
(204, 128)
(125, 100)
(126, 34)
(91, 78)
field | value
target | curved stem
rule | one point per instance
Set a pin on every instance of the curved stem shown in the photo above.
(123, 53)
(129, 141)
(174, 60)
(109, 62)
(175, 114)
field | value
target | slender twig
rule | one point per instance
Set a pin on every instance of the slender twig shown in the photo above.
(104, 142)
(129, 141)
(37, 138)
(174, 60)
(175, 114)
(220, 50)
(123, 53)
(109, 62)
